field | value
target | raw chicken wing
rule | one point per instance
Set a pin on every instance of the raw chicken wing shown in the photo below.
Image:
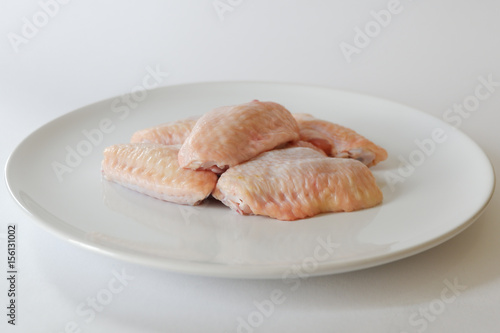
(229, 135)
(339, 141)
(300, 143)
(172, 133)
(153, 169)
(295, 183)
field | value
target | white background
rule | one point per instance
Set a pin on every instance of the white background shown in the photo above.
(429, 56)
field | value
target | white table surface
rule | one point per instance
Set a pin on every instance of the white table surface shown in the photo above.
(429, 56)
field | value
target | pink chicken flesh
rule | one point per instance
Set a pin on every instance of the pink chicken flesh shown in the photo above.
(153, 169)
(230, 135)
(294, 183)
(172, 133)
(339, 141)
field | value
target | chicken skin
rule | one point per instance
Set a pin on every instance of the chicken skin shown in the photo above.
(294, 183)
(153, 169)
(171, 133)
(230, 135)
(339, 141)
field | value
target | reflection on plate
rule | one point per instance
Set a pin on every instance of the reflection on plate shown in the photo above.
(431, 192)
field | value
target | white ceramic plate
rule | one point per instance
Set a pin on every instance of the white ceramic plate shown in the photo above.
(436, 182)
